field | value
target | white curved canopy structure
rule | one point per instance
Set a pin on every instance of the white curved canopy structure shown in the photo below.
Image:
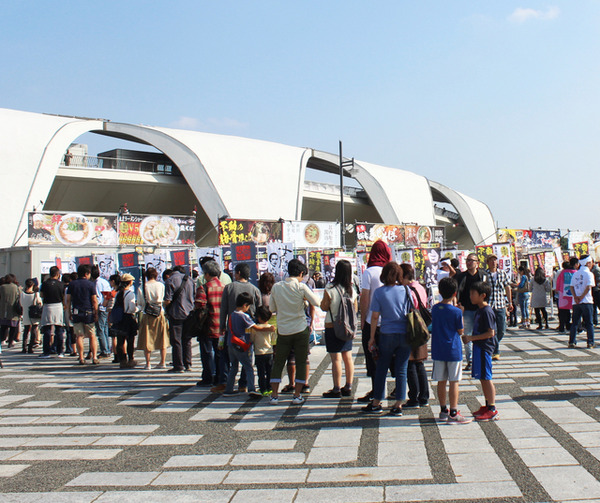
(222, 173)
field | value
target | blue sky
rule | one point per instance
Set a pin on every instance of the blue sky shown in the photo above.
(498, 100)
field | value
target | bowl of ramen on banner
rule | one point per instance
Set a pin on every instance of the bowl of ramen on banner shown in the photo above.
(73, 229)
(159, 231)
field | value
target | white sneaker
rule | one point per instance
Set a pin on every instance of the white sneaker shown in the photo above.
(298, 400)
(274, 400)
(61, 355)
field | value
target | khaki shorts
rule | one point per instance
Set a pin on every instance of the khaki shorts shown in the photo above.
(84, 329)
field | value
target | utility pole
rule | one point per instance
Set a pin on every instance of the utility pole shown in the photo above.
(343, 164)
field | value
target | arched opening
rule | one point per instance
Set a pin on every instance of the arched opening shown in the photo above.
(101, 171)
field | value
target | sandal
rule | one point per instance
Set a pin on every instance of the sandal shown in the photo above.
(81, 362)
(288, 388)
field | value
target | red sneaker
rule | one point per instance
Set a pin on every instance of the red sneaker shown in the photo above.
(488, 415)
(481, 410)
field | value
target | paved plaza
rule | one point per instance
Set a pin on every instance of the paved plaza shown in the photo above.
(97, 433)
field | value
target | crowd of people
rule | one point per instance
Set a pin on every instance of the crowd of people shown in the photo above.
(268, 329)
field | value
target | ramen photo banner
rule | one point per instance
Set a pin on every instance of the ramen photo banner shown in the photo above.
(306, 234)
(156, 230)
(71, 229)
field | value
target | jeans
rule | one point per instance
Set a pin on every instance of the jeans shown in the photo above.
(596, 296)
(418, 385)
(500, 326)
(468, 321)
(245, 358)
(390, 345)
(181, 345)
(102, 332)
(264, 364)
(210, 354)
(58, 338)
(29, 332)
(524, 305)
(585, 311)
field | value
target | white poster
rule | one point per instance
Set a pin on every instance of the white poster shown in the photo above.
(405, 256)
(305, 234)
(158, 261)
(214, 253)
(502, 251)
(278, 255)
(107, 264)
(45, 266)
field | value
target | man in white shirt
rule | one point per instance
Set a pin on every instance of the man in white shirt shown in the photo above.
(287, 300)
(582, 283)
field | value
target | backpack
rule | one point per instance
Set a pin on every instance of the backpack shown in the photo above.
(346, 321)
(417, 333)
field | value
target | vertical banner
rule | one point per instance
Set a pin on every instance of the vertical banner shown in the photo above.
(582, 248)
(181, 257)
(279, 254)
(107, 264)
(88, 260)
(328, 264)
(419, 263)
(558, 256)
(431, 257)
(302, 255)
(482, 254)
(157, 261)
(549, 264)
(245, 253)
(405, 256)
(362, 258)
(213, 253)
(502, 251)
(227, 260)
(262, 260)
(128, 263)
(315, 258)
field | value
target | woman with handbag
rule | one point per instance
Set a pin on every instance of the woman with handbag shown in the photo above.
(124, 323)
(10, 309)
(391, 303)
(154, 331)
(32, 314)
(418, 385)
(339, 350)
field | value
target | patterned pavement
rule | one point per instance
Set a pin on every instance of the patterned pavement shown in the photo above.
(97, 433)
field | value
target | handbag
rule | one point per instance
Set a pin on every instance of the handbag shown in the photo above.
(176, 295)
(423, 311)
(236, 342)
(417, 332)
(17, 307)
(151, 308)
(35, 310)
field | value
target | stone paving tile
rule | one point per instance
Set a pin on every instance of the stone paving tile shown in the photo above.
(442, 492)
(218, 496)
(178, 478)
(54, 497)
(41, 411)
(171, 440)
(11, 470)
(265, 496)
(120, 440)
(263, 477)
(4, 455)
(340, 494)
(270, 458)
(112, 429)
(124, 479)
(59, 441)
(32, 430)
(587, 438)
(565, 483)
(272, 445)
(66, 454)
(551, 456)
(328, 455)
(39, 403)
(198, 460)
(369, 474)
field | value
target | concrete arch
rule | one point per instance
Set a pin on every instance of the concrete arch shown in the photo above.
(476, 216)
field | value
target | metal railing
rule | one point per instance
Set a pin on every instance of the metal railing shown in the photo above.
(92, 162)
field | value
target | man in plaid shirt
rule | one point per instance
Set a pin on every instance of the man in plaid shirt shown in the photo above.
(500, 299)
(210, 295)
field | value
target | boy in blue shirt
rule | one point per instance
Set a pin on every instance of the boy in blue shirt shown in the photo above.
(446, 350)
(484, 343)
(239, 326)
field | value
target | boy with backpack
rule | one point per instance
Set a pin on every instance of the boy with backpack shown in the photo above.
(446, 350)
